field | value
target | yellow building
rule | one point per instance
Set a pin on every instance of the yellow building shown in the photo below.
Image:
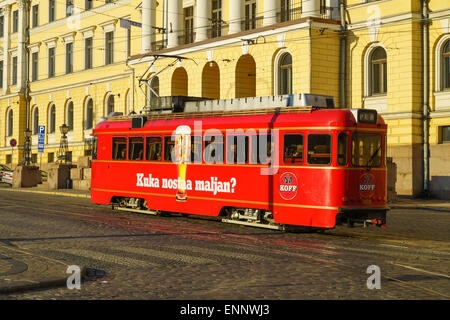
(86, 57)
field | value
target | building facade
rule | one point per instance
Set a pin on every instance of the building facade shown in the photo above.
(76, 61)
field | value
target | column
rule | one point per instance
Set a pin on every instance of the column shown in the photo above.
(311, 8)
(6, 14)
(148, 20)
(174, 25)
(202, 12)
(21, 48)
(270, 12)
(235, 16)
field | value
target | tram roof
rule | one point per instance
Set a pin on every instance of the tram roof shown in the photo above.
(285, 116)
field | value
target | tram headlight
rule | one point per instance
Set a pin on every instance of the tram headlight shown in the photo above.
(367, 116)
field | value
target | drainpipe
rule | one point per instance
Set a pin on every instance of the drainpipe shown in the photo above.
(425, 107)
(132, 91)
(342, 62)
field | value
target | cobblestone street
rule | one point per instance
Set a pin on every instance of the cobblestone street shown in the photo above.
(135, 256)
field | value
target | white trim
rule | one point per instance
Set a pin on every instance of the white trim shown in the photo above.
(51, 43)
(442, 100)
(68, 37)
(109, 26)
(439, 62)
(276, 69)
(34, 47)
(377, 102)
(88, 32)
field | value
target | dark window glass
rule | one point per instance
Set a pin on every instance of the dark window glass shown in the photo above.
(15, 21)
(89, 120)
(293, 149)
(109, 47)
(52, 119)
(88, 4)
(196, 148)
(342, 152)
(214, 148)
(188, 25)
(319, 149)
(366, 149)
(51, 62)
(446, 134)
(446, 67)
(51, 10)
(262, 148)
(14, 71)
(285, 71)
(119, 148)
(216, 18)
(34, 66)
(237, 149)
(153, 151)
(379, 71)
(1, 74)
(88, 53)
(70, 115)
(35, 16)
(2, 25)
(69, 57)
(168, 148)
(136, 148)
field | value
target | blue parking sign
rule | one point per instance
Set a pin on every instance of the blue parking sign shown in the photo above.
(41, 138)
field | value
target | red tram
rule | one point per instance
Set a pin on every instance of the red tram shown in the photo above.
(291, 166)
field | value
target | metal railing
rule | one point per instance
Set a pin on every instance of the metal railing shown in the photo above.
(289, 14)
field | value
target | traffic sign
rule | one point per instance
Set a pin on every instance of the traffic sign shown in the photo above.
(41, 138)
(13, 142)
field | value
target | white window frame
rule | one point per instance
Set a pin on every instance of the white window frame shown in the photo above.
(276, 69)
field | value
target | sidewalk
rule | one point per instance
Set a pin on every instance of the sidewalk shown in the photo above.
(43, 189)
(21, 270)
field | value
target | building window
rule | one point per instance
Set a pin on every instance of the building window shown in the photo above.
(51, 119)
(189, 24)
(445, 134)
(35, 125)
(88, 53)
(34, 66)
(51, 62)
(88, 4)
(108, 1)
(89, 115)
(2, 25)
(216, 16)
(110, 104)
(51, 10)
(109, 47)
(35, 16)
(51, 157)
(69, 57)
(128, 42)
(10, 123)
(446, 66)
(69, 117)
(285, 74)
(14, 71)
(250, 14)
(285, 10)
(155, 86)
(69, 7)
(15, 22)
(378, 70)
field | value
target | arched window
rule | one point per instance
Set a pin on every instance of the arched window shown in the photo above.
(285, 74)
(51, 118)
(446, 66)
(35, 125)
(89, 114)
(9, 123)
(109, 104)
(69, 115)
(378, 71)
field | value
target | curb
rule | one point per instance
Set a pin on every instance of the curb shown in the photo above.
(59, 282)
(87, 196)
(441, 209)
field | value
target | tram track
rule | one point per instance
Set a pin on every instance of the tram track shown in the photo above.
(321, 248)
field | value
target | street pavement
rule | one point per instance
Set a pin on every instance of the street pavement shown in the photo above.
(125, 255)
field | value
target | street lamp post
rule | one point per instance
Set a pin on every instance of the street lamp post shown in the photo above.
(27, 148)
(63, 145)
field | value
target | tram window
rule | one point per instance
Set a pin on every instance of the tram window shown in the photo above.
(342, 152)
(237, 149)
(196, 148)
(319, 147)
(94, 148)
(119, 149)
(262, 148)
(136, 148)
(214, 148)
(293, 149)
(153, 151)
(366, 149)
(168, 148)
